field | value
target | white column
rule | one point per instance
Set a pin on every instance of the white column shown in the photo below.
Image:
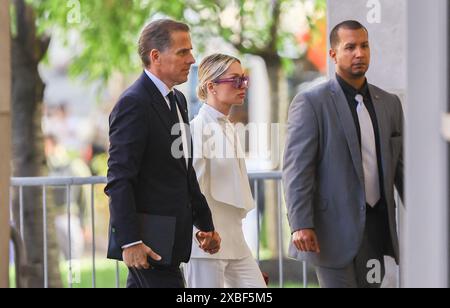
(5, 141)
(425, 257)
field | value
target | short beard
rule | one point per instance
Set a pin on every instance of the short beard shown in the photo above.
(358, 75)
(355, 75)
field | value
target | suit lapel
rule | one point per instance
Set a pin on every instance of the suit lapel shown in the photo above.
(348, 124)
(158, 102)
(382, 120)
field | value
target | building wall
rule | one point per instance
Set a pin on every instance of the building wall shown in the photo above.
(5, 142)
(425, 259)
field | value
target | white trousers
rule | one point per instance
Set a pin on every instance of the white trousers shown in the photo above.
(213, 273)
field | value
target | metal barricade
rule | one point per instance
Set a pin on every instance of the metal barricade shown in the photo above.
(20, 258)
(256, 178)
(68, 182)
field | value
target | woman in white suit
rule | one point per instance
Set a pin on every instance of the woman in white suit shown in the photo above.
(222, 175)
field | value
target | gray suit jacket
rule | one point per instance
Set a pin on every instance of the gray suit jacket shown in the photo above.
(323, 175)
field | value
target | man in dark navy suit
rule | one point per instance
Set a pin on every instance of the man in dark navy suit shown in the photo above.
(150, 167)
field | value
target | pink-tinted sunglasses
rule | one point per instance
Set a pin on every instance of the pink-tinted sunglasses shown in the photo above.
(237, 82)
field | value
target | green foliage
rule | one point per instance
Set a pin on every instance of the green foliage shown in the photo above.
(13, 22)
(320, 9)
(104, 33)
(321, 5)
(99, 164)
(250, 25)
(288, 66)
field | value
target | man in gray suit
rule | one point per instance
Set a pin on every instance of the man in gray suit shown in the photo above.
(343, 158)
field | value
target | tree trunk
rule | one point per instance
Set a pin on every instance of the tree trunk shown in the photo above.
(279, 106)
(5, 141)
(27, 144)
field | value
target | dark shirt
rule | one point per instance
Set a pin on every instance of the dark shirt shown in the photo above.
(350, 94)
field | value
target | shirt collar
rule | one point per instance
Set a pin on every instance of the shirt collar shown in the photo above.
(216, 114)
(162, 87)
(350, 91)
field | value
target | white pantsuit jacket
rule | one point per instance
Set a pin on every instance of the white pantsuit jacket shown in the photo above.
(222, 175)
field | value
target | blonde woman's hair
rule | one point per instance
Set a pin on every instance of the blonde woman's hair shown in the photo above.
(211, 68)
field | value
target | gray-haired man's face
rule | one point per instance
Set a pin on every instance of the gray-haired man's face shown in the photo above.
(175, 62)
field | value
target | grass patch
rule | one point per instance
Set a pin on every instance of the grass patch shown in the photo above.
(106, 275)
(292, 285)
(82, 274)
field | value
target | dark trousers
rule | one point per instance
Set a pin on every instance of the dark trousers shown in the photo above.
(368, 264)
(155, 277)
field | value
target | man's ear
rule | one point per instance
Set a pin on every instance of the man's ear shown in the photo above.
(155, 56)
(332, 54)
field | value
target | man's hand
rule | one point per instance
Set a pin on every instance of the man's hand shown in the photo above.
(136, 256)
(209, 241)
(306, 240)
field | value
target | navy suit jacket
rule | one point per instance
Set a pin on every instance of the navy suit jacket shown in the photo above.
(144, 177)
